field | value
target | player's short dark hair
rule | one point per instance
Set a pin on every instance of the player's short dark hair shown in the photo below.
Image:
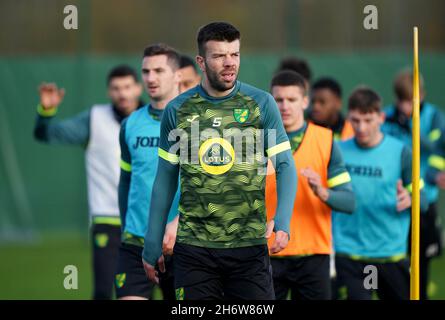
(364, 100)
(288, 78)
(173, 57)
(120, 71)
(217, 31)
(186, 61)
(298, 65)
(328, 83)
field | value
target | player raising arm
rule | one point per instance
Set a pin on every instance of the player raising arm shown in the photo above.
(96, 130)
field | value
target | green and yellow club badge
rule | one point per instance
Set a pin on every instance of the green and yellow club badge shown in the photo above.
(120, 279)
(179, 293)
(241, 115)
(101, 240)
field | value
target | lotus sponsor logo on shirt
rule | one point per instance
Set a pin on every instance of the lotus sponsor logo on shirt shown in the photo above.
(216, 156)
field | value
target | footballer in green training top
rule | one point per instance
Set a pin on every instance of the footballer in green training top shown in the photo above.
(218, 136)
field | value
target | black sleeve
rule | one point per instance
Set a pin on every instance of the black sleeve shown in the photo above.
(341, 196)
(407, 177)
(428, 143)
(72, 131)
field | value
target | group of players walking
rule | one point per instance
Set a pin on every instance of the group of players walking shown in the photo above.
(226, 191)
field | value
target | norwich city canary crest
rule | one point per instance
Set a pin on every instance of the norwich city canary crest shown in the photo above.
(101, 240)
(120, 279)
(241, 115)
(179, 294)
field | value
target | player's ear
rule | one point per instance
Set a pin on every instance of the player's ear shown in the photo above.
(178, 76)
(339, 104)
(109, 91)
(382, 117)
(305, 101)
(200, 60)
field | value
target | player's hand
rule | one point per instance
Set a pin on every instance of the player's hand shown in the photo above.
(151, 272)
(440, 180)
(161, 264)
(403, 197)
(281, 240)
(170, 237)
(50, 95)
(314, 180)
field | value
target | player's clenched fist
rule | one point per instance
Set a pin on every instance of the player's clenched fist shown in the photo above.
(314, 180)
(50, 95)
(281, 238)
(403, 197)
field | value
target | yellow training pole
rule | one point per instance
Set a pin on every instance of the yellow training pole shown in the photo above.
(415, 210)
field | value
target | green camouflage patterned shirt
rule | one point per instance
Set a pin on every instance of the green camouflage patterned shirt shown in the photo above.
(222, 179)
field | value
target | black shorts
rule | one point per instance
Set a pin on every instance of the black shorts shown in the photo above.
(430, 245)
(131, 279)
(307, 278)
(216, 274)
(106, 240)
(392, 283)
(166, 280)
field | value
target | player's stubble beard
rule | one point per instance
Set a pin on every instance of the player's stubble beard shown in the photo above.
(215, 83)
